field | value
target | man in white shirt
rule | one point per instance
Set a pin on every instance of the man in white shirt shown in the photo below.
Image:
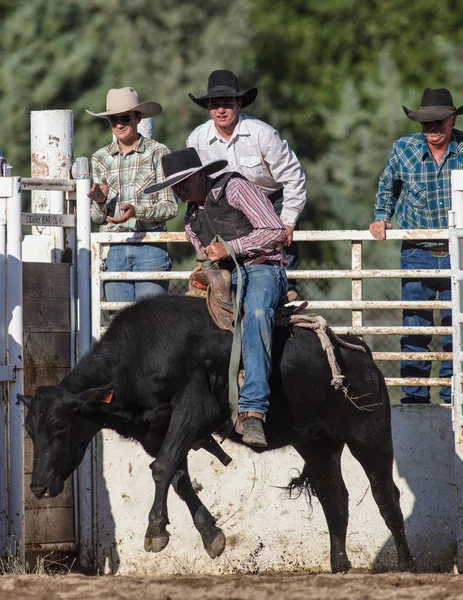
(252, 148)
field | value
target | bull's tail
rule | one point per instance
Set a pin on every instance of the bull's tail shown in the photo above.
(301, 485)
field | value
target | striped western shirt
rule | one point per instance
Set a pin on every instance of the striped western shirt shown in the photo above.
(127, 176)
(414, 186)
(269, 234)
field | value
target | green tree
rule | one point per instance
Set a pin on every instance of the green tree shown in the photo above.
(69, 54)
(304, 52)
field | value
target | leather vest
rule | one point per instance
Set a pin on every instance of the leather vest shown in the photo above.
(218, 217)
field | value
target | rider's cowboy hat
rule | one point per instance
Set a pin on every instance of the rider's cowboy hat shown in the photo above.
(122, 100)
(436, 105)
(182, 164)
(224, 84)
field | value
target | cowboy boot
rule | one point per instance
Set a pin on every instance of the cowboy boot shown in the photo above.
(249, 425)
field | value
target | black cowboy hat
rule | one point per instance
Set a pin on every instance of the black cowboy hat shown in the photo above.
(436, 105)
(182, 164)
(224, 84)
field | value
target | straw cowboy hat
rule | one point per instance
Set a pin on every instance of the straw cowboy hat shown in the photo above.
(182, 164)
(122, 100)
(224, 84)
(436, 105)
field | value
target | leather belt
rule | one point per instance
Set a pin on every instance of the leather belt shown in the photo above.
(440, 248)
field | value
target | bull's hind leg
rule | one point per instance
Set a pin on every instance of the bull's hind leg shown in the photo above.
(213, 537)
(377, 463)
(322, 474)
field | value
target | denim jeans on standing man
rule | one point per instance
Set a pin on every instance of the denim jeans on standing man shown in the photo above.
(263, 286)
(424, 289)
(136, 258)
(292, 251)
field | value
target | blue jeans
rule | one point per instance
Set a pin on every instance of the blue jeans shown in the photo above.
(137, 257)
(424, 289)
(263, 286)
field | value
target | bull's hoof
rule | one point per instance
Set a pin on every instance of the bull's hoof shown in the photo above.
(217, 546)
(156, 543)
(408, 566)
(341, 566)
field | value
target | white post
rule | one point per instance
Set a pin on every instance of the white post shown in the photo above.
(51, 158)
(84, 338)
(456, 252)
(83, 225)
(146, 128)
(3, 384)
(15, 358)
(457, 199)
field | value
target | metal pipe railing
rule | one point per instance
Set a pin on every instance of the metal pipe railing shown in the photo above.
(356, 274)
(16, 514)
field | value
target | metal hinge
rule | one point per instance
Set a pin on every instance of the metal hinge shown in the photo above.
(8, 372)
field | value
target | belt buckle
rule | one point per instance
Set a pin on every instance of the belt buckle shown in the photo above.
(440, 250)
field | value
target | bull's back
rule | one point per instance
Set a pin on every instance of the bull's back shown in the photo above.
(303, 375)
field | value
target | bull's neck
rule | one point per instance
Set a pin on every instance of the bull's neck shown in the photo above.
(94, 370)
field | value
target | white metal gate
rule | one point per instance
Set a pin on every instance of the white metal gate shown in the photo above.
(11, 344)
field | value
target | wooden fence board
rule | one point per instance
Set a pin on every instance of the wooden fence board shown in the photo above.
(47, 359)
(43, 280)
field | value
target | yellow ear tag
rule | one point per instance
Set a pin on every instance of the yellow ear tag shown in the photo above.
(108, 396)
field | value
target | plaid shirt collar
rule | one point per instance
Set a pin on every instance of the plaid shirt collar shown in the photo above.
(452, 147)
(114, 147)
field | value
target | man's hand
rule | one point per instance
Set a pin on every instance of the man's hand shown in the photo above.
(99, 191)
(216, 251)
(378, 229)
(128, 212)
(289, 231)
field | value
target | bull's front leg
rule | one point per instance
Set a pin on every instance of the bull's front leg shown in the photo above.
(213, 538)
(157, 536)
(190, 419)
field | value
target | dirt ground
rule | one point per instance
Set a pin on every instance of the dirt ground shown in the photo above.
(280, 586)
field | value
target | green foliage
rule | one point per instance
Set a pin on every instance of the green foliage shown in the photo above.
(305, 51)
(69, 54)
(332, 77)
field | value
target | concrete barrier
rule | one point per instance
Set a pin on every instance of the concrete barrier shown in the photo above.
(264, 529)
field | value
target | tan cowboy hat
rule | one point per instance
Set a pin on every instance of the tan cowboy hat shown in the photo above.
(122, 100)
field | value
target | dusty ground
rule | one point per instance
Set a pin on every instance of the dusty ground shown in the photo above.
(233, 587)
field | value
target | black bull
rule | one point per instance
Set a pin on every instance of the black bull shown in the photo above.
(166, 365)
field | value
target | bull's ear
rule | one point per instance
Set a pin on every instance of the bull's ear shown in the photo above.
(24, 399)
(97, 396)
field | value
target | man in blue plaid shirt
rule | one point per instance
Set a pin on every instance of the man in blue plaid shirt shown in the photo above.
(416, 186)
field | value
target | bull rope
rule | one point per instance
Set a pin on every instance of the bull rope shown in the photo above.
(291, 315)
(325, 334)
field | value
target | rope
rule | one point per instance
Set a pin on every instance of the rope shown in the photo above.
(286, 315)
(290, 316)
(325, 334)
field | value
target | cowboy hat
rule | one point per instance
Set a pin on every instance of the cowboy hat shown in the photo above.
(182, 164)
(436, 105)
(224, 84)
(122, 100)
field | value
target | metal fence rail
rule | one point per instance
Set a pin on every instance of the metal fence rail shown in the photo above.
(357, 274)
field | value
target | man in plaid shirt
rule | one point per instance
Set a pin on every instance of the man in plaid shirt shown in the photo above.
(416, 186)
(121, 171)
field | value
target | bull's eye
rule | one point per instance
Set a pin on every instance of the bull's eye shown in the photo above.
(59, 433)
